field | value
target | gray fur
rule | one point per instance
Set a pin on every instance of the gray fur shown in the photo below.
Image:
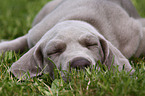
(113, 28)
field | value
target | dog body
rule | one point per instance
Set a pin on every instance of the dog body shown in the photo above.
(107, 17)
(78, 33)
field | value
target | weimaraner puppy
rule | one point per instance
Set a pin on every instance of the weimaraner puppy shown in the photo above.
(77, 34)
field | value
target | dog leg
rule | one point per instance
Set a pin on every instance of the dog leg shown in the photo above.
(19, 44)
(128, 7)
(142, 21)
(141, 48)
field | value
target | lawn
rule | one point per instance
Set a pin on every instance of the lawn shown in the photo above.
(16, 17)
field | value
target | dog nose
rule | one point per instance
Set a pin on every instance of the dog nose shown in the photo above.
(80, 63)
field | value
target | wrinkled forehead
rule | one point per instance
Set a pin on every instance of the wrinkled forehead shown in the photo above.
(70, 30)
(72, 33)
(73, 29)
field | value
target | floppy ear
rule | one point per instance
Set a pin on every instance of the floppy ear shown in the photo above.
(113, 56)
(30, 62)
(107, 54)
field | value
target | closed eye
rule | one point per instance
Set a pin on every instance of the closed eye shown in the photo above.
(56, 48)
(88, 41)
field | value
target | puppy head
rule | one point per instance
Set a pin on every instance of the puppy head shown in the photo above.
(85, 49)
(72, 44)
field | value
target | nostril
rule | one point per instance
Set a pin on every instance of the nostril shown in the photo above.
(80, 63)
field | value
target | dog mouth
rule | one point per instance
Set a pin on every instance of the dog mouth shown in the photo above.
(76, 65)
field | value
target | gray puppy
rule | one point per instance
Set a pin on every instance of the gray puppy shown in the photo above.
(78, 33)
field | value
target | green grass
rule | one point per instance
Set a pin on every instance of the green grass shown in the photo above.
(139, 4)
(16, 17)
